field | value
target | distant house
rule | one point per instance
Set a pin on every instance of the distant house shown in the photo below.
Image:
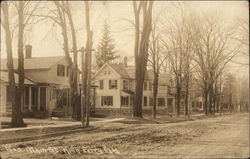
(45, 80)
(116, 87)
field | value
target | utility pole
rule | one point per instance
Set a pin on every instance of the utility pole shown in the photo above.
(83, 112)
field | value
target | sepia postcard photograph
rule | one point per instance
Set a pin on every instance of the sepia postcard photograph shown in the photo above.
(124, 79)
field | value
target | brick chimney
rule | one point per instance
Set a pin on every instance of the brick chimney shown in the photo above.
(28, 51)
(125, 61)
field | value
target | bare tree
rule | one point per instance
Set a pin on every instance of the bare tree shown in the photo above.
(16, 120)
(178, 43)
(25, 11)
(62, 16)
(243, 36)
(74, 76)
(141, 50)
(86, 74)
(156, 59)
(214, 48)
(243, 91)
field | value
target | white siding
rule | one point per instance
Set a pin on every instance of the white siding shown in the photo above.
(108, 74)
(50, 75)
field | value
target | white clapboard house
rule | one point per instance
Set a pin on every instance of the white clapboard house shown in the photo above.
(116, 86)
(45, 80)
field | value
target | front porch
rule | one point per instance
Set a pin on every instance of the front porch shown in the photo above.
(34, 99)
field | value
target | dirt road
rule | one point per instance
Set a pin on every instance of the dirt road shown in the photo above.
(215, 137)
(229, 141)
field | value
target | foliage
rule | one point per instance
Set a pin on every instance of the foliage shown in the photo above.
(106, 52)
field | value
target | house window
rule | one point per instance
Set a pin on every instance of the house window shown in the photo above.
(112, 84)
(125, 85)
(107, 101)
(150, 101)
(150, 86)
(145, 86)
(161, 102)
(124, 101)
(101, 84)
(145, 101)
(170, 102)
(107, 72)
(60, 70)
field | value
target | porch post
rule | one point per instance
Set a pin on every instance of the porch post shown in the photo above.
(30, 99)
(129, 100)
(38, 96)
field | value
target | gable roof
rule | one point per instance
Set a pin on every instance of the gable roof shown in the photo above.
(129, 72)
(34, 62)
(5, 78)
(120, 69)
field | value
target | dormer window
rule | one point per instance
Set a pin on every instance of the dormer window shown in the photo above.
(112, 84)
(60, 70)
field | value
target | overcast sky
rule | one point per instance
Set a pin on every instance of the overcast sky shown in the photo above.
(46, 42)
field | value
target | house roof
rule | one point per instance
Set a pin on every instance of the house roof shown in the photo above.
(129, 72)
(4, 77)
(120, 69)
(33, 63)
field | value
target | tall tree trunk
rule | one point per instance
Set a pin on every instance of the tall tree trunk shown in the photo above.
(63, 25)
(155, 92)
(10, 67)
(137, 111)
(83, 106)
(205, 96)
(187, 96)
(88, 62)
(210, 96)
(141, 52)
(88, 95)
(214, 99)
(18, 121)
(178, 99)
(138, 81)
(74, 92)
